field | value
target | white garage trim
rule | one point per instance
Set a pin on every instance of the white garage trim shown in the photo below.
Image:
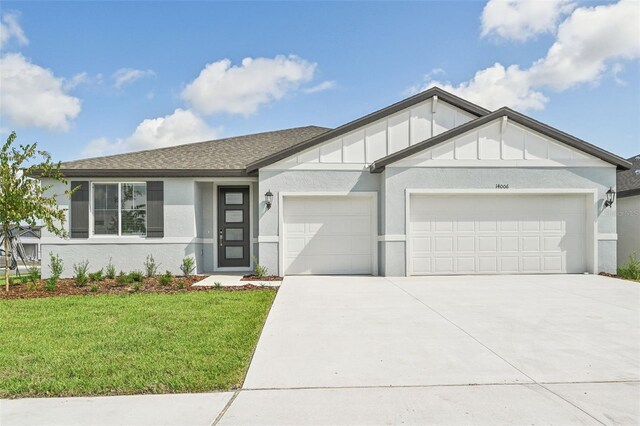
(373, 196)
(591, 224)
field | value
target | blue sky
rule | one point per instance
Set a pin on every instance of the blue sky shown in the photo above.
(313, 63)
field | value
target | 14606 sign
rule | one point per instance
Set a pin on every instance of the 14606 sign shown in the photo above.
(502, 186)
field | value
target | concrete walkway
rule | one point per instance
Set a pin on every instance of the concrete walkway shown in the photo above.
(439, 350)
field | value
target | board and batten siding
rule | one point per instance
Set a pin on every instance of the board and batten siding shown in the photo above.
(380, 138)
(501, 143)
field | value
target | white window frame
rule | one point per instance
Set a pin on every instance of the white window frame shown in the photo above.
(92, 211)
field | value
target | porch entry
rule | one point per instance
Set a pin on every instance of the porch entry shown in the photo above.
(233, 226)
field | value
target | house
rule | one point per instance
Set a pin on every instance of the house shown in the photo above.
(433, 184)
(629, 212)
(30, 240)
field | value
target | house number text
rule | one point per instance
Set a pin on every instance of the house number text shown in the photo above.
(502, 186)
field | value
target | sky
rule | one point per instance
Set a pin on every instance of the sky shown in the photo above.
(97, 78)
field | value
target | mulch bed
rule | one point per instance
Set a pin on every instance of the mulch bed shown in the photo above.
(606, 274)
(68, 287)
(265, 278)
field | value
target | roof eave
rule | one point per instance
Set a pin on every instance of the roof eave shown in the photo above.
(367, 119)
(153, 173)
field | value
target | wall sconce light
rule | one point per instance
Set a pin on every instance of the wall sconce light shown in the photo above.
(611, 197)
(268, 199)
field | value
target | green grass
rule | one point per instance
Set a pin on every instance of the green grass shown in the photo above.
(142, 343)
(15, 279)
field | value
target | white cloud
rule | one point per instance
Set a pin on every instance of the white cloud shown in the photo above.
(32, 96)
(325, 85)
(521, 20)
(497, 86)
(125, 76)
(180, 127)
(587, 41)
(10, 28)
(242, 89)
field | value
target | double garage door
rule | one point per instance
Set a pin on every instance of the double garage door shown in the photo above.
(448, 234)
(329, 235)
(497, 234)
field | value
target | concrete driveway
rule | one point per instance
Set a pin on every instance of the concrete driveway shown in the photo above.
(489, 349)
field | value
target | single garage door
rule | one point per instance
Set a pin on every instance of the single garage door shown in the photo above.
(328, 235)
(497, 234)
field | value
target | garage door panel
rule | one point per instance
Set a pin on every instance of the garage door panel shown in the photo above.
(466, 234)
(327, 235)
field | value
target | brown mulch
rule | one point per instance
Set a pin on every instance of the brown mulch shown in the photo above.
(265, 278)
(68, 287)
(606, 274)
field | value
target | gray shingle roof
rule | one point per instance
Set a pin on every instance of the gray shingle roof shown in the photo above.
(629, 180)
(220, 157)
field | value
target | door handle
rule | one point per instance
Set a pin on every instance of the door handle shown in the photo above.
(220, 237)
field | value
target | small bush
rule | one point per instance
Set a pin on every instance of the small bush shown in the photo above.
(150, 266)
(56, 265)
(136, 276)
(166, 278)
(181, 284)
(631, 270)
(80, 270)
(34, 273)
(96, 276)
(123, 278)
(94, 288)
(111, 270)
(31, 286)
(188, 266)
(217, 284)
(51, 284)
(135, 286)
(259, 270)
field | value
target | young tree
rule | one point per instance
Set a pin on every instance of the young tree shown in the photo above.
(22, 198)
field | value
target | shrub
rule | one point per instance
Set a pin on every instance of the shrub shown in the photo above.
(259, 270)
(123, 278)
(31, 286)
(188, 266)
(135, 287)
(56, 265)
(111, 270)
(166, 278)
(51, 283)
(94, 288)
(80, 270)
(150, 266)
(217, 284)
(34, 273)
(631, 270)
(181, 284)
(136, 276)
(96, 276)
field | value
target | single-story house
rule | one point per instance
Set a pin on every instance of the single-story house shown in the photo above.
(629, 212)
(433, 184)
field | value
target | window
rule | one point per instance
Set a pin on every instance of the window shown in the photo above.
(120, 209)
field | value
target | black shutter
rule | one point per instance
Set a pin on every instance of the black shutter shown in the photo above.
(79, 212)
(155, 209)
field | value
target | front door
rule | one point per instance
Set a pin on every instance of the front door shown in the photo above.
(233, 226)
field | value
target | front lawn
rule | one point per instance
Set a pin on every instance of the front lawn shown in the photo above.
(139, 343)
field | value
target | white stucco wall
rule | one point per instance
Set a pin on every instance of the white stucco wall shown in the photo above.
(628, 228)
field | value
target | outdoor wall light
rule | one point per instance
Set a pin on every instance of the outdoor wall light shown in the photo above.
(611, 197)
(268, 199)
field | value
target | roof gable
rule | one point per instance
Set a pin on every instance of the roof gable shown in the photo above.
(353, 126)
(543, 146)
(363, 146)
